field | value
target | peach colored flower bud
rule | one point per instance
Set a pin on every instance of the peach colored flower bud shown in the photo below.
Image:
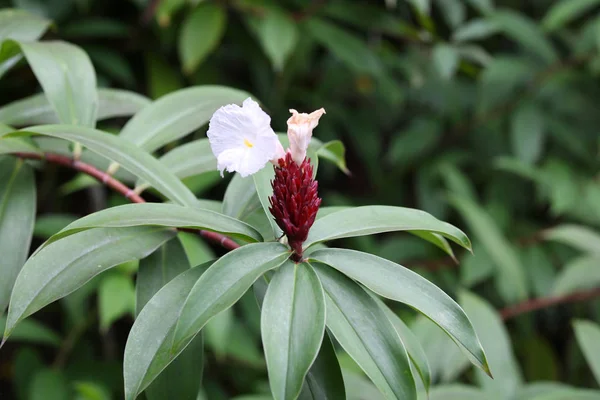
(300, 127)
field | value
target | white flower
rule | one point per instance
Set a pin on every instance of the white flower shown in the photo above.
(300, 127)
(242, 139)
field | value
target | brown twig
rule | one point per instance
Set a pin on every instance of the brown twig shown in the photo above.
(119, 187)
(545, 302)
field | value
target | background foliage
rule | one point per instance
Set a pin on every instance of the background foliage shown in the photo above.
(480, 112)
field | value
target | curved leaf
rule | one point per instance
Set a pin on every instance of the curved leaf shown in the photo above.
(147, 348)
(14, 145)
(126, 154)
(580, 237)
(175, 115)
(457, 392)
(223, 284)
(36, 110)
(582, 273)
(564, 11)
(397, 283)
(240, 198)
(17, 218)
(168, 215)
(365, 332)
(65, 265)
(324, 380)
(67, 76)
(588, 337)
(292, 327)
(262, 183)
(369, 220)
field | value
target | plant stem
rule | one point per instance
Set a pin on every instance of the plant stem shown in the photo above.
(545, 302)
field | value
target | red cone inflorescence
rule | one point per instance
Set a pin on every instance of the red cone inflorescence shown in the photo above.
(295, 201)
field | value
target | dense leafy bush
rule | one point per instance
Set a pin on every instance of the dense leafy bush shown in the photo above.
(478, 112)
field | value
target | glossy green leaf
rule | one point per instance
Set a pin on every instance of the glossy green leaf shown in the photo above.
(577, 236)
(564, 11)
(15, 145)
(445, 59)
(497, 345)
(240, 198)
(334, 151)
(365, 332)
(197, 249)
(181, 379)
(510, 276)
(476, 29)
(527, 133)
(292, 327)
(147, 349)
(190, 159)
(369, 220)
(223, 284)
(67, 76)
(324, 380)
(580, 274)
(344, 45)
(157, 214)
(588, 337)
(32, 331)
(17, 216)
(397, 283)
(262, 183)
(278, 34)
(116, 299)
(200, 34)
(63, 266)
(524, 31)
(126, 154)
(175, 115)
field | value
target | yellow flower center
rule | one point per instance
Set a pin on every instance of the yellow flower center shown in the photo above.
(248, 144)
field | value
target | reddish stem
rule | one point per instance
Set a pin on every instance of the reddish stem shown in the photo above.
(545, 302)
(119, 187)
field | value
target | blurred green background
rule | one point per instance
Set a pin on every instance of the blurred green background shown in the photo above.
(481, 112)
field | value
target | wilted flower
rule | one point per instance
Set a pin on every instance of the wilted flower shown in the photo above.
(295, 201)
(242, 138)
(300, 127)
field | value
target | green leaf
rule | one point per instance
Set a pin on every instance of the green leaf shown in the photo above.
(262, 183)
(526, 32)
(422, 6)
(157, 214)
(496, 342)
(527, 133)
(350, 49)
(454, 11)
(200, 35)
(588, 337)
(91, 391)
(63, 266)
(445, 59)
(223, 284)
(483, 6)
(277, 33)
(175, 115)
(15, 145)
(17, 216)
(417, 355)
(334, 151)
(196, 249)
(397, 283)
(126, 154)
(116, 298)
(369, 220)
(190, 159)
(577, 236)
(158, 269)
(457, 392)
(49, 384)
(292, 327)
(218, 332)
(510, 276)
(582, 273)
(181, 379)
(240, 198)
(564, 11)
(475, 29)
(324, 380)
(67, 76)
(147, 348)
(365, 332)
(31, 331)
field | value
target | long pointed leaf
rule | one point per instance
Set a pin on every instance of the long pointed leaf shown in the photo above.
(324, 380)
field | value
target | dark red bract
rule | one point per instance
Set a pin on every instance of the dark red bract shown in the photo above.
(295, 201)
